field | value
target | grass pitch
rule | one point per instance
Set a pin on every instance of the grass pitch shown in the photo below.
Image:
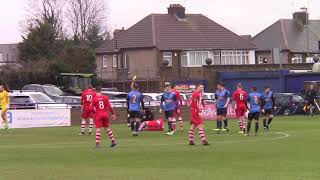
(291, 151)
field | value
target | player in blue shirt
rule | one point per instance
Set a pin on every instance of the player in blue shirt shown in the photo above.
(268, 107)
(256, 102)
(135, 104)
(222, 96)
(168, 105)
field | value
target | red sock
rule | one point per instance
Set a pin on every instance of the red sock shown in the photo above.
(201, 134)
(98, 135)
(180, 122)
(142, 126)
(191, 135)
(90, 125)
(83, 125)
(174, 124)
(110, 135)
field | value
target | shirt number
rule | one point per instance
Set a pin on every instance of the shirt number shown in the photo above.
(241, 96)
(89, 97)
(101, 105)
(134, 99)
(256, 100)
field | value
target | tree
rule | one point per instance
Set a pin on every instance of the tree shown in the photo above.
(43, 30)
(88, 19)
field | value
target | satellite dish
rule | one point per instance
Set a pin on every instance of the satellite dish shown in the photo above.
(208, 61)
(165, 63)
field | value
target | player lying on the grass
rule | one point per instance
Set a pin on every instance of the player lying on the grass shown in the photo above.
(102, 107)
(87, 112)
(256, 103)
(149, 123)
(239, 98)
(268, 107)
(222, 97)
(5, 104)
(196, 105)
(135, 104)
(168, 105)
(177, 111)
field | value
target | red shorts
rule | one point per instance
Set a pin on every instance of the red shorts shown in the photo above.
(240, 111)
(87, 113)
(195, 118)
(102, 120)
(155, 125)
(176, 114)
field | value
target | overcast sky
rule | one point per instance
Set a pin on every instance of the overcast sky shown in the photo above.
(240, 16)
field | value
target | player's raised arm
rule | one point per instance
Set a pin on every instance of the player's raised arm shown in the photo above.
(133, 82)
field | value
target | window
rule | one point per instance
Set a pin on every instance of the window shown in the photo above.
(262, 60)
(122, 63)
(297, 58)
(167, 56)
(184, 59)
(216, 57)
(234, 57)
(194, 58)
(104, 61)
(114, 60)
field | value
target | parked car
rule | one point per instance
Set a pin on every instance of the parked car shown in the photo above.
(33, 100)
(288, 104)
(54, 93)
(151, 99)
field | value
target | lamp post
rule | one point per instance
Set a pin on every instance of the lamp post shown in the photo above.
(305, 9)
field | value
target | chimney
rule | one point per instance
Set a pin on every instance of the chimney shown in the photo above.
(177, 10)
(116, 32)
(300, 18)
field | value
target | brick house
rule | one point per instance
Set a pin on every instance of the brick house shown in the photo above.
(293, 38)
(184, 40)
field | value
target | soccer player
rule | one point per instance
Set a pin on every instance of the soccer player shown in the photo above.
(168, 105)
(134, 104)
(256, 103)
(222, 97)
(239, 98)
(310, 99)
(268, 107)
(4, 102)
(196, 104)
(102, 107)
(87, 109)
(178, 107)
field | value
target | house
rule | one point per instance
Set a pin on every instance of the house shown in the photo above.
(8, 53)
(295, 39)
(183, 40)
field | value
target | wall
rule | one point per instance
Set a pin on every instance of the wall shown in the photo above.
(210, 73)
(140, 62)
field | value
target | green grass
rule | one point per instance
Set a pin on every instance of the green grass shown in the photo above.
(290, 152)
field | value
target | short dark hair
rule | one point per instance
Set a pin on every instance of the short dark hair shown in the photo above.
(266, 87)
(254, 88)
(221, 84)
(98, 88)
(136, 85)
(199, 84)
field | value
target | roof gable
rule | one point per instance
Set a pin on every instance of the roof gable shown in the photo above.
(167, 32)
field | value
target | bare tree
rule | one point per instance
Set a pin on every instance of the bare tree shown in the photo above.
(84, 15)
(48, 11)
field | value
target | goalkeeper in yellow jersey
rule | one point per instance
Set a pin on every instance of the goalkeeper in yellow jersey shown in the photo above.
(4, 103)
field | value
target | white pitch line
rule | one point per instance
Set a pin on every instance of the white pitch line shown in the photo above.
(81, 144)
